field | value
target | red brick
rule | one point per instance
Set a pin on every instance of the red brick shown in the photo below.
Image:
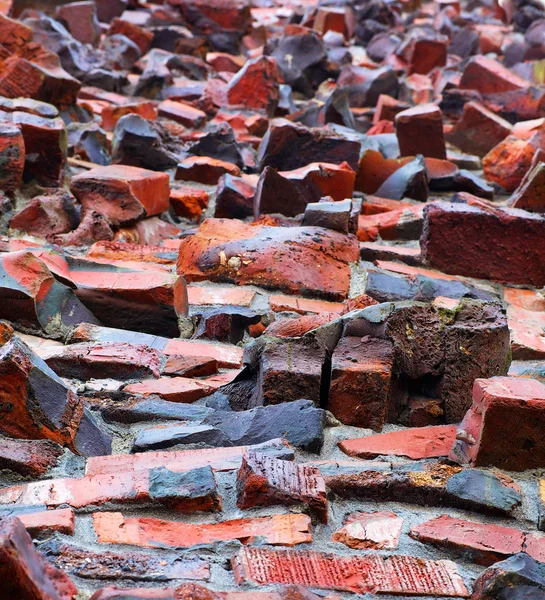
(530, 194)
(336, 181)
(117, 360)
(488, 76)
(203, 169)
(427, 54)
(173, 389)
(48, 521)
(188, 202)
(221, 61)
(485, 543)
(478, 130)
(365, 531)
(159, 486)
(29, 457)
(12, 156)
(52, 84)
(330, 19)
(220, 459)
(520, 259)
(140, 36)
(111, 113)
(420, 131)
(24, 573)
(361, 373)
(288, 328)
(219, 296)
(14, 34)
(192, 591)
(118, 593)
(504, 426)
(387, 108)
(508, 162)
(81, 21)
(302, 306)
(266, 481)
(126, 251)
(415, 443)
(45, 216)
(527, 299)
(121, 193)
(282, 530)
(256, 86)
(358, 574)
(285, 258)
(182, 113)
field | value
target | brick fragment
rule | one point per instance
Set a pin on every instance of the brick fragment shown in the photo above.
(358, 574)
(26, 575)
(376, 531)
(220, 459)
(288, 146)
(279, 303)
(219, 295)
(265, 481)
(173, 389)
(186, 492)
(488, 76)
(503, 426)
(428, 484)
(518, 260)
(478, 130)
(114, 359)
(188, 202)
(111, 113)
(420, 131)
(360, 382)
(81, 21)
(245, 257)
(112, 566)
(44, 522)
(485, 543)
(415, 443)
(29, 457)
(282, 530)
(234, 198)
(46, 216)
(256, 85)
(182, 113)
(143, 38)
(121, 193)
(12, 157)
(317, 180)
(204, 169)
(530, 194)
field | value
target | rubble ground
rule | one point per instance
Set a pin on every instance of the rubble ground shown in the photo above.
(272, 299)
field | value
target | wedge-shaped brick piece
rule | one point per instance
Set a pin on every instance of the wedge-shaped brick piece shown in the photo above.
(121, 193)
(189, 491)
(488, 76)
(28, 457)
(504, 426)
(372, 574)
(266, 481)
(277, 530)
(25, 574)
(415, 443)
(292, 259)
(530, 195)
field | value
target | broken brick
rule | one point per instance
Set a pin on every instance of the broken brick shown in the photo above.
(365, 531)
(415, 443)
(122, 194)
(502, 427)
(203, 169)
(283, 530)
(420, 131)
(12, 156)
(188, 202)
(265, 481)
